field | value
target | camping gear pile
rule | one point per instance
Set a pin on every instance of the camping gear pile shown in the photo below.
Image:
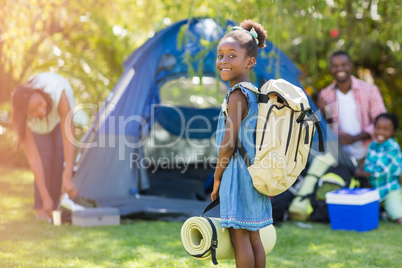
(306, 200)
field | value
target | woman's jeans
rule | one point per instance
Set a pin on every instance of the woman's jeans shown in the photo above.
(50, 148)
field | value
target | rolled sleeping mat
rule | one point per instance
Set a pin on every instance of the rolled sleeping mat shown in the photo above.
(197, 232)
(301, 209)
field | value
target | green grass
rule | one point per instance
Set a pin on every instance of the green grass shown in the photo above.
(26, 242)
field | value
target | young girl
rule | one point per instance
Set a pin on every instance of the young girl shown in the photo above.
(40, 118)
(383, 165)
(243, 209)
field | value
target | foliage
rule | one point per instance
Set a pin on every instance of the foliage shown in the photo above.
(26, 242)
(10, 154)
(87, 41)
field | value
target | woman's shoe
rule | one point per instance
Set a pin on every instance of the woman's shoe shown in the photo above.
(41, 215)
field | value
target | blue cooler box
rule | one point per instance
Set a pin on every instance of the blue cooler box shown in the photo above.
(353, 209)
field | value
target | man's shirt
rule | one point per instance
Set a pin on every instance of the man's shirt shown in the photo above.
(369, 104)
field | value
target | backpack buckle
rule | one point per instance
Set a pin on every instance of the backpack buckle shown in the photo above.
(301, 116)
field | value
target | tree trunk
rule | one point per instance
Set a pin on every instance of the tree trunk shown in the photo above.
(7, 83)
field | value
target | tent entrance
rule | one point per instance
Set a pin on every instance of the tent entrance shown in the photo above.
(190, 182)
(179, 166)
(181, 147)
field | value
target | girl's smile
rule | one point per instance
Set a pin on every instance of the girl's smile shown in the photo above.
(383, 129)
(232, 62)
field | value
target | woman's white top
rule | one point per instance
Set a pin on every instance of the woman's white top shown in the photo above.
(52, 84)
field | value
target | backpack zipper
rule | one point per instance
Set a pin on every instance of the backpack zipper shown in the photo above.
(298, 140)
(266, 122)
(265, 126)
(306, 138)
(311, 142)
(290, 131)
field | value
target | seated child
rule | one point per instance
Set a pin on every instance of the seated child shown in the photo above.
(383, 165)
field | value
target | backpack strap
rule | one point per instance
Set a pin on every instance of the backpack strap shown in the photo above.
(263, 81)
(239, 149)
(318, 127)
(239, 146)
(249, 86)
(316, 122)
(210, 206)
(242, 152)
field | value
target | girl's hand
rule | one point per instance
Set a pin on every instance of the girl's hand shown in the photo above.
(215, 191)
(361, 173)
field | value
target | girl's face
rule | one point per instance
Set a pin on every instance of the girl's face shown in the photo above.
(37, 106)
(383, 129)
(232, 62)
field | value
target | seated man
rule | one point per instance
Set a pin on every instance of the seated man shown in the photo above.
(350, 105)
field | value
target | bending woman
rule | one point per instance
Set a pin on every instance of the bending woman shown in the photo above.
(45, 129)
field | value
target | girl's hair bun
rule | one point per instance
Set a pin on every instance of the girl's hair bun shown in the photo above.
(262, 34)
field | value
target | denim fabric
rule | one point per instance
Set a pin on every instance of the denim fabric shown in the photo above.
(50, 147)
(241, 205)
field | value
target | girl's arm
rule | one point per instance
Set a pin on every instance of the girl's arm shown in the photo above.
(67, 131)
(237, 111)
(35, 163)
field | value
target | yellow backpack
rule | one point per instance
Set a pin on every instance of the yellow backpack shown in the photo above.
(284, 135)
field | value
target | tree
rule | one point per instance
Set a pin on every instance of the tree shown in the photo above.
(87, 41)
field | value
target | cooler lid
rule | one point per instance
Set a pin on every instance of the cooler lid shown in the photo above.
(357, 196)
(96, 212)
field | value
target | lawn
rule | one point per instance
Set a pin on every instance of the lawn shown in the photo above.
(26, 242)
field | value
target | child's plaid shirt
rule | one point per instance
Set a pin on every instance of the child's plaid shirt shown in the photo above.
(384, 162)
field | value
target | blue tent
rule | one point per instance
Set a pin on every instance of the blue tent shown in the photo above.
(108, 168)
